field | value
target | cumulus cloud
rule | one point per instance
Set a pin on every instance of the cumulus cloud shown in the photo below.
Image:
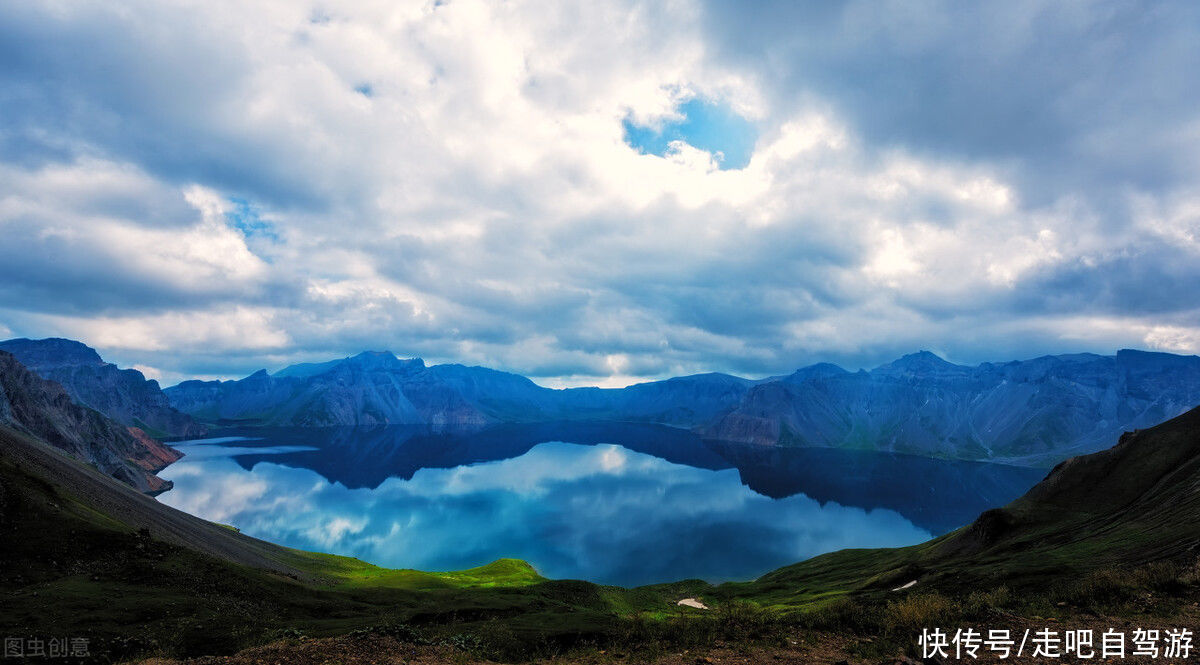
(452, 180)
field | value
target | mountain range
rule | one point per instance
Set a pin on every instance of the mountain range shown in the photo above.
(377, 388)
(86, 554)
(1034, 412)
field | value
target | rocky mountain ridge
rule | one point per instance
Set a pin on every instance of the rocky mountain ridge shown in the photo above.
(42, 408)
(1033, 412)
(124, 395)
(374, 388)
(1037, 411)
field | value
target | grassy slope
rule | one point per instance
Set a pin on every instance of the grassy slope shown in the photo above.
(1134, 504)
(136, 575)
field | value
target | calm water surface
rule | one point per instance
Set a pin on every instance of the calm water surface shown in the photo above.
(619, 504)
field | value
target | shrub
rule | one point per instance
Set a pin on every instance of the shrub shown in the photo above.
(843, 615)
(919, 610)
(402, 632)
(982, 604)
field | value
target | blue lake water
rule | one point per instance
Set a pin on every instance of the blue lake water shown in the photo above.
(611, 503)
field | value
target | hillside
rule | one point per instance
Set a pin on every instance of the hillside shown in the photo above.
(86, 556)
(1134, 504)
(42, 408)
(124, 395)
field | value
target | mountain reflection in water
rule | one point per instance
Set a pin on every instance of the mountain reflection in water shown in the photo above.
(609, 502)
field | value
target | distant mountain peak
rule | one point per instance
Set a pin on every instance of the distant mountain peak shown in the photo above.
(816, 371)
(923, 356)
(371, 361)
(52, 352)
(1126, 354)
(383, 360)
(375, 354)
(922, 362)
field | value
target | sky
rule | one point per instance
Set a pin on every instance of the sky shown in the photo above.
(600, 192)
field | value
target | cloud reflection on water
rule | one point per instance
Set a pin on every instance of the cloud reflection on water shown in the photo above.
(598, 512)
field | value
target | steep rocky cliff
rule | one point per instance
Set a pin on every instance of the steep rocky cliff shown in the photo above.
(125, 395)
(42, 408)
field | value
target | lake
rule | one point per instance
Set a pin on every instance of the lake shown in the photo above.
(611, 503)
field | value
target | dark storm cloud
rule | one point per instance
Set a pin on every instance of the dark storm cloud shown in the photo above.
(1137, 281)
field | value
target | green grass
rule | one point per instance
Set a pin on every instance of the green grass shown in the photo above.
(350, 572)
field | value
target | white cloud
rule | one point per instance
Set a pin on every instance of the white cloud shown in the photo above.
(892, 258)
(189, 331)
(116, 220)
(1176, 339)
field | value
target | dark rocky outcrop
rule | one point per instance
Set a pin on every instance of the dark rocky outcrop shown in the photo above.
(42, 408)
(124, 395)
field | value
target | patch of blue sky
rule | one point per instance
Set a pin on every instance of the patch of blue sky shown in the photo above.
(246, 218)
(709, 126)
